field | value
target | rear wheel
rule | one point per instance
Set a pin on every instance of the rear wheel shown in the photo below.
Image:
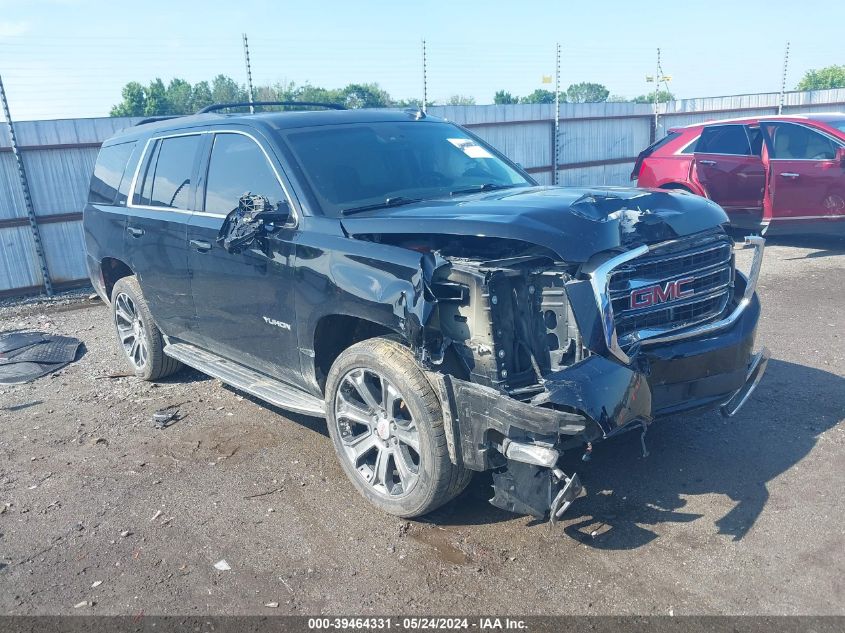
(387, 428)
(137, 334)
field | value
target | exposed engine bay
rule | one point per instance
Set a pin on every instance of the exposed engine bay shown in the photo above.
(509, 339)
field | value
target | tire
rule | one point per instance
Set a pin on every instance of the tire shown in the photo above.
(138, 337)
(393, 448)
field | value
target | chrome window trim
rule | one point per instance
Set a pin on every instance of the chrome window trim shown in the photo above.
(837, 216)
(599, 278)
(803, 160)
(131, 196)
(683, 150)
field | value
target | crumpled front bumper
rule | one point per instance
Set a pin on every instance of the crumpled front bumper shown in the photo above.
(599, 397)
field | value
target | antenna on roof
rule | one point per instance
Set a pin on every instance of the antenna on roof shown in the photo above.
(248, 76)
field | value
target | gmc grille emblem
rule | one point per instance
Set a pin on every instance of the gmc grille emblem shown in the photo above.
(657, 294)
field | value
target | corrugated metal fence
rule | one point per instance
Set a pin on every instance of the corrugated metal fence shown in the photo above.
(599, 143)
(59, 158)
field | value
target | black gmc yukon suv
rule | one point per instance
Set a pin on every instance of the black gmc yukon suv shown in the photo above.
(392, 272)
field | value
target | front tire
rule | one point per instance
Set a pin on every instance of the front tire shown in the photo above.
(386, 425)
(137, 334)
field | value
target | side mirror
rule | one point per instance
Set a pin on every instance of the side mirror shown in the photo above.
(269, 219)
(840, 155)
(253, 217)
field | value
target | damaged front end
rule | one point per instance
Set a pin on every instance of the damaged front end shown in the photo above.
(533, 355)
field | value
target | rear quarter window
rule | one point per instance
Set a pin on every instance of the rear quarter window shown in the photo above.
(109, 172)
(724, 139)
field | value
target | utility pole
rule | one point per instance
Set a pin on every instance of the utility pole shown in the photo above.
(783, 79)
(424, 78)
(656, 90)
(248, 76)
(556, 148)
(27, 198)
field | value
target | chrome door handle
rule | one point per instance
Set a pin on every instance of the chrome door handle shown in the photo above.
(789, 174)
(709, 163)
(201, 245)
(134, 232)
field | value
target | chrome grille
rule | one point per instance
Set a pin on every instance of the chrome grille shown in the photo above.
(706, 262)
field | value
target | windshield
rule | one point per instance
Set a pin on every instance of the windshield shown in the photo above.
(354, 166)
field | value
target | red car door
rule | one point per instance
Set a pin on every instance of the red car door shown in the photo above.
(806, 173)
(729, 168)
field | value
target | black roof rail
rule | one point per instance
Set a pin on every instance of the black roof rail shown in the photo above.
(153, 119)
(313, 104)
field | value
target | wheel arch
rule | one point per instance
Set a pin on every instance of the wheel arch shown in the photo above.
(335, 333)
(113, 269)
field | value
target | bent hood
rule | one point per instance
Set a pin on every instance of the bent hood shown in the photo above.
(574, 223)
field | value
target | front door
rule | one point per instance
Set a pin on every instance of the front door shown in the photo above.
(806, 177)
(730, 169)
(244, 301)
(156, 228)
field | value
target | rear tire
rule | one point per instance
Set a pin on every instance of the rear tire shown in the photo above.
(138, 337)
(386, 425)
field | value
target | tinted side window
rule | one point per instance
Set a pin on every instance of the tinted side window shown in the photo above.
(145, 178)
(108, 173)
(755, 137)
(797, 142)
(723, 139)
(167, 177)
(238, 166)
(690, 148)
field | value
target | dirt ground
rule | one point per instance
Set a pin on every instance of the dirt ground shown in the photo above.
(741, 516)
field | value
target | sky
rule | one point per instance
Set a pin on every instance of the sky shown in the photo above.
(70, 58)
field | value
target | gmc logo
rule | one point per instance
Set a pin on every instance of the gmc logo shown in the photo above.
(657, 294)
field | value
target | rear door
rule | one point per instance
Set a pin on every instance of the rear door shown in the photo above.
(244, 301)
(158, 212)
(729, 166)
(806, 180)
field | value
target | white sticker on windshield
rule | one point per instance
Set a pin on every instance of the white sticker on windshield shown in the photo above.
(470, 148)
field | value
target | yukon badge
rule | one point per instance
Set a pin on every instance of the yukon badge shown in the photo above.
(657, 294)
(281, 324)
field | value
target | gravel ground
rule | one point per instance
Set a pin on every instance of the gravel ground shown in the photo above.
(100, 512)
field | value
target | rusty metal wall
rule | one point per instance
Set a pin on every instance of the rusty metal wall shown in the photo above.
(598, 145)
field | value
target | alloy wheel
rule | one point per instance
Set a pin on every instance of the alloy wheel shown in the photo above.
(378, 433)
(131, 330)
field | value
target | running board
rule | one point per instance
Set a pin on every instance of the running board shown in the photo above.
(273, 391)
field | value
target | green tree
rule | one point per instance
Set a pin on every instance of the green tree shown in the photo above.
(307, 92)
(201, 96)
(540, 96)
(662, 97)
(365, 96)
(823, 78)
(586, 92)
(180, 96)
(460, 100)
(225, 90)
(409, 103)
(157, 103)
(503, 97)
(134, 101)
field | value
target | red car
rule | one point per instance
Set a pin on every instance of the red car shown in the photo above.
(775, 174)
